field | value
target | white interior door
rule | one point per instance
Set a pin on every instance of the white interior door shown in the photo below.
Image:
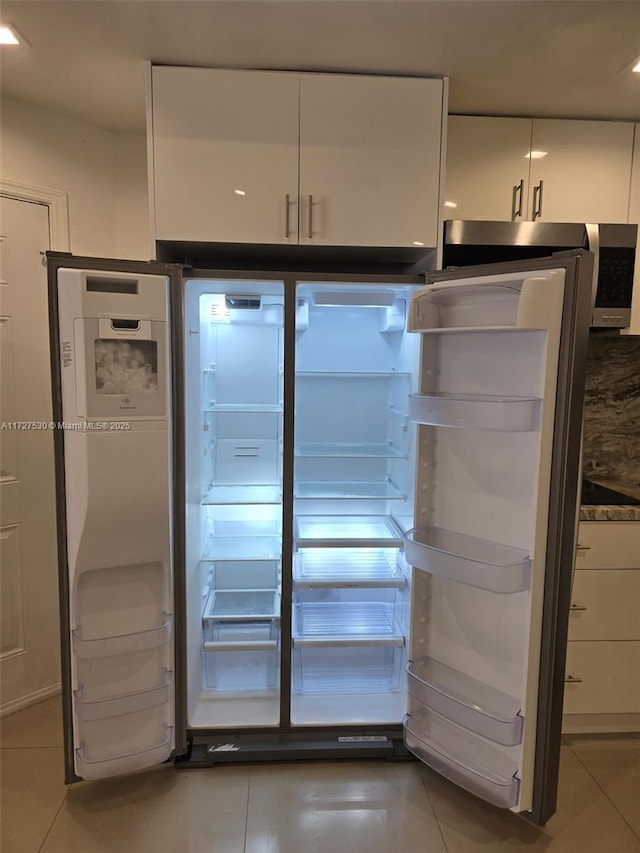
(493, 543)
(29, 657)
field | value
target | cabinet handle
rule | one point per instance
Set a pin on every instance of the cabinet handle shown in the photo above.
(537, 199)
(310, 229)
(575, 607)
(287, 205)
(572, 679)
(518, 189)
(583, 547)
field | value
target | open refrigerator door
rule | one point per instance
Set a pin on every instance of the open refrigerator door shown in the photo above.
(499, 410)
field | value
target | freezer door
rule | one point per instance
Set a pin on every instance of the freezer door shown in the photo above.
(499, 416)
(116, 431)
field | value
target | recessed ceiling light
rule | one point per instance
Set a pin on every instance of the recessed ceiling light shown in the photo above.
(535, 155)
(636, 67)
(418, 243)
(239, 192)
(450, 204)
(8, 35)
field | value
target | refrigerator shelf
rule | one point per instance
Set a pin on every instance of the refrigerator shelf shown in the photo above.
(467, 760)
(341, 621)
(349, 450)
(115, 765)
(468, 559)
(260, 408)
(347, 531)
(127, 703)
(358, 490)
(321, 374)
(476, 411)
(349, 567)
(242, 604)
(242, 548)
(238, 495)
(466, 701)
(123, 644)
(446, 330)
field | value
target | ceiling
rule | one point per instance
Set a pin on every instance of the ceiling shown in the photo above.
(564, 58)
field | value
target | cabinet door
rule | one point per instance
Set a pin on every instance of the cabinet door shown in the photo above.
(585, 171)
(225, 155)
(487, 168)
(369, 160)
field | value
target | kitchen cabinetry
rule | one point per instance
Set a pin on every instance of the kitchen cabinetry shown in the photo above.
(369, 160)
(225, 155)
(586, 171)
(286, 158)
(602, 680)
(551, 170)
(487, 168)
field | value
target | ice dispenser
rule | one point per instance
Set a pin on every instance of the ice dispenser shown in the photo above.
(115, 387)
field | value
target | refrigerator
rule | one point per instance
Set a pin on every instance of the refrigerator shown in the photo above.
(318, 516)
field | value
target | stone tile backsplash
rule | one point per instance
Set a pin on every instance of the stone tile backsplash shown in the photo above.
(612, 412)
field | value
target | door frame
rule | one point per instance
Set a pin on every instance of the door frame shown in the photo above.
(56, 200)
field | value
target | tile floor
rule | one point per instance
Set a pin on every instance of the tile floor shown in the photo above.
(314, 807)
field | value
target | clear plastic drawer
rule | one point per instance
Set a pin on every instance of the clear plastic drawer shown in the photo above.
(355, 668)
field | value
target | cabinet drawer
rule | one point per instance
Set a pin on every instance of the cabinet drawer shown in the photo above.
(608, 545)
(611, 602)
(610, 678)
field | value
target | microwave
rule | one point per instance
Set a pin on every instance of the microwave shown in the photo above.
(467, 243)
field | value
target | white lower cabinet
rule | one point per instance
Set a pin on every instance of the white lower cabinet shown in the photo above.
(602, 677)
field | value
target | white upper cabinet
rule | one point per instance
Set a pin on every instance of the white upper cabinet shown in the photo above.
(272, 157)
(225, 155)
(569, 171)
(487, 173)
(369, 160)
(585, 171)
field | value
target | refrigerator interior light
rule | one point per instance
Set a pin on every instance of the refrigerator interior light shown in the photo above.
(356, 298)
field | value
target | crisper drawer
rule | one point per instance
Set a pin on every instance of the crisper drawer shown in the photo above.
(357, 667)
(241, 656)
(608, 545)
(470, 761)
(605, 604)
(602, 678)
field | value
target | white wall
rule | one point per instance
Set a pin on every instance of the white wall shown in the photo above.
(131, 197)
(103, 173)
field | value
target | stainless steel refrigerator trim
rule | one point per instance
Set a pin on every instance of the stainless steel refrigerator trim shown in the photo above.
(287, 500)
(564, 495)
(56, 260)
(561, 548)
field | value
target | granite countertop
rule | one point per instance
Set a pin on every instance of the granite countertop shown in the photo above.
(602, 512)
